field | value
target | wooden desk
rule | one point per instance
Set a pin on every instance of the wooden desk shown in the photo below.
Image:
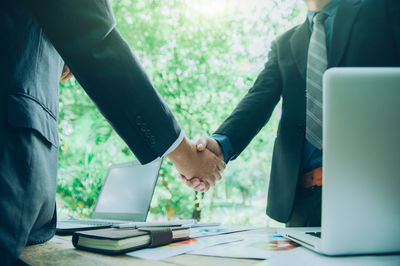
(59, 251)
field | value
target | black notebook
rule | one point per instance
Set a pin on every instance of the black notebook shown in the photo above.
(121, 240)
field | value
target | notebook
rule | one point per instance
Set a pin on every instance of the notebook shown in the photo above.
(121, 240)
(125, 197)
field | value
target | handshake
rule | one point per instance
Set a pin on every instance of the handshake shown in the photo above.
(199, 164)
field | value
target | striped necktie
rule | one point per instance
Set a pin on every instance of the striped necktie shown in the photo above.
(317, 63)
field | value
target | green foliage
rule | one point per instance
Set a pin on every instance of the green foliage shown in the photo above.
(202, 56)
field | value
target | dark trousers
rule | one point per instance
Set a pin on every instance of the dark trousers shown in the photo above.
(28, 175)
(307, 208)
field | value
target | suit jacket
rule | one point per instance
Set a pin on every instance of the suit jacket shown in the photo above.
(366, 33)
(37, 37)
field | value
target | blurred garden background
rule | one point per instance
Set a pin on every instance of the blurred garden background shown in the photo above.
(202, 56)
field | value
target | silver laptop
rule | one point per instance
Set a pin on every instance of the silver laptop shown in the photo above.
(125, 197)
(361, 164)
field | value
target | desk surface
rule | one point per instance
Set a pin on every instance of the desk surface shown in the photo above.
(59, 251)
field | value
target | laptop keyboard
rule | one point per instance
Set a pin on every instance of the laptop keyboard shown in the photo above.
(316, 234)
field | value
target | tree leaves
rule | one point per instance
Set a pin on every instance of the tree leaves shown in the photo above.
(202, 57)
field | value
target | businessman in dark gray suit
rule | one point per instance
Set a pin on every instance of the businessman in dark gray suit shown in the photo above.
(336, 33)
(38, 38)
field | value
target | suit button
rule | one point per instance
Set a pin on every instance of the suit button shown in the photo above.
(152, 140)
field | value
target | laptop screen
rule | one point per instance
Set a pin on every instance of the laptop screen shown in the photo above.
(127, 191)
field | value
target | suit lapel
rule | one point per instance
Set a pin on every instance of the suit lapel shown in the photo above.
(299, 45)
(345, 17)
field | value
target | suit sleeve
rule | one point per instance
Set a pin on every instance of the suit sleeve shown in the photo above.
(84, 34)
(394, 11)
(255, 109)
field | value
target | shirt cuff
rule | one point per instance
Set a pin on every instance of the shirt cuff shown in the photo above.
(226, 146)
(175, 144)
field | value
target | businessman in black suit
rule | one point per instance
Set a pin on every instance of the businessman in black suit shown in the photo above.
(343, 33)
(38, 38)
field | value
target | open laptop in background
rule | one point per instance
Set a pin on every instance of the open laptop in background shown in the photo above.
(125, 197)
(361, 164)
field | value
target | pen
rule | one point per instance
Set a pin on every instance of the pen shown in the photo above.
(154, 224)
(205, 225)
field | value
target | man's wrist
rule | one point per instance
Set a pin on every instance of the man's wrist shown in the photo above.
(226, 146)
(180, 152)
(176, 143)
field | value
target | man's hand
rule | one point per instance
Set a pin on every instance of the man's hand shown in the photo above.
(66, 74)
(203, 144)
(196, 183)
(205, 165)
(211, 144)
